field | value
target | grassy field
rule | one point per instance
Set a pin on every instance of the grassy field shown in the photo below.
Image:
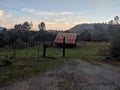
(27, 64)
(87, 51)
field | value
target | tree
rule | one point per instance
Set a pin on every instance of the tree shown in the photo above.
(24, 26)
(115, 40)
(84, 36)
(22, 37)
(6, 38)
(17, 26)
(1, 39)
(4, 30)
(110, 22)
(115, 21)
(99, 33)
(27, 26)
(42, 26)
(116, 18)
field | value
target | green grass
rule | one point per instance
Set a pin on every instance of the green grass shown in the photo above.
(86, 51)
(27, 64)
(23, 67)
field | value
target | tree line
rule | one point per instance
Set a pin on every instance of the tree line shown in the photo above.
(27, 26)
(23, 37)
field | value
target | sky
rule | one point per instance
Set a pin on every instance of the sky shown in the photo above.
(57, 14)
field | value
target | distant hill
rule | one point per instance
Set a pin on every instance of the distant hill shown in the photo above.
(1, 28)
(81, 27)
(52, 31)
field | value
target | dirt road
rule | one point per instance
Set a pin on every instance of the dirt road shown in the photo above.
(79, 76)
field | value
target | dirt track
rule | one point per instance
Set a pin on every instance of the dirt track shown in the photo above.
(80, 76)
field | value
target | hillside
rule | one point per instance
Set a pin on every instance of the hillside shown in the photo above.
(81, 27)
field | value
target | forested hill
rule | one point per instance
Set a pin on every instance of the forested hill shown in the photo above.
(81, 27)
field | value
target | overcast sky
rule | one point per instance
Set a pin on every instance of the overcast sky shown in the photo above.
(57, 14)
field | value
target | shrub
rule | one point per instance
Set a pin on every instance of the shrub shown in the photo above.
(115, 41)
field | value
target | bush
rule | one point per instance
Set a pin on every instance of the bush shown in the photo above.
(115, 41)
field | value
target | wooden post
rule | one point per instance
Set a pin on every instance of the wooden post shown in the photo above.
(44, 50)
(64, 47)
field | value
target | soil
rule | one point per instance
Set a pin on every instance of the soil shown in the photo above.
(78, 76)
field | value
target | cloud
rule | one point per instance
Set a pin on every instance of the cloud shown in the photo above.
(1, 12)
(49, 13)
(61, 26)
(53, 20)
(7, 19)
(61, 19)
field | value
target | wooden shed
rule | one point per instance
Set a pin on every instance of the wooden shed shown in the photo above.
(70, 39)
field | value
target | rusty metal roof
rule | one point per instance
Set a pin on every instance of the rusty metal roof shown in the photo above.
(70, 38)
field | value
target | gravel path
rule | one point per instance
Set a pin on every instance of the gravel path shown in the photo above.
(80, 76)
